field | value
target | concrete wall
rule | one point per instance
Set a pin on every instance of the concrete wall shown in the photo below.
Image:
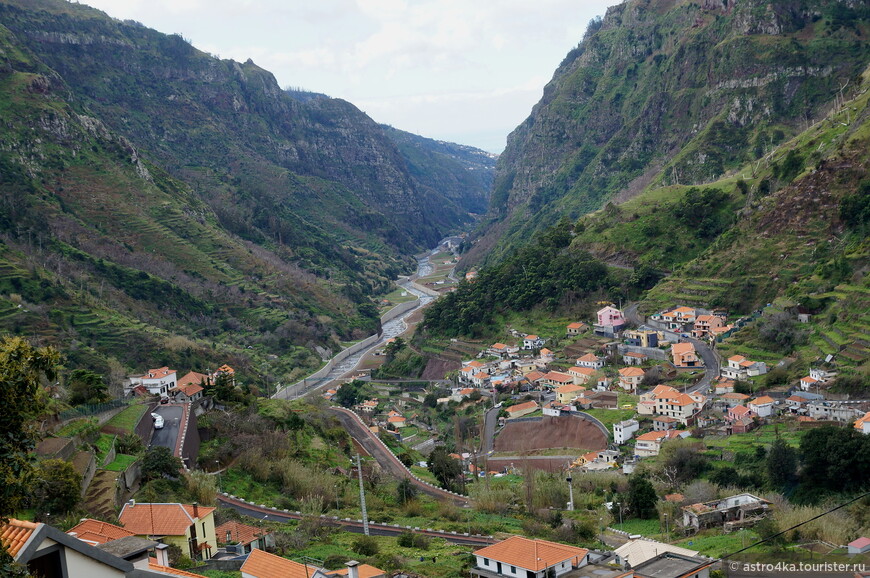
(651, 352)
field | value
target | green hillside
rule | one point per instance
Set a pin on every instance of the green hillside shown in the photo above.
(671, 93)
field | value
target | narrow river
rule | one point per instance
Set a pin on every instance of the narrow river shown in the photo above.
(391, 329)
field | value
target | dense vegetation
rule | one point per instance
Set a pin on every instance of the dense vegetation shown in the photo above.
(665, 94)
(163, 207)
(543, 273)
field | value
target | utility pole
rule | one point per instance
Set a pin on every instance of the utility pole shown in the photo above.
(362, 498)
(570, 494)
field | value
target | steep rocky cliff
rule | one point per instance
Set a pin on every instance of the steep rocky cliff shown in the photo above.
(159, 205)
(665, 92)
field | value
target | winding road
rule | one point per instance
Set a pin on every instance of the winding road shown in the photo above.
(711, 360)
(389, 462)
(375, 529)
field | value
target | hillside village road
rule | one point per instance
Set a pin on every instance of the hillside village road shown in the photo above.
(168, 436)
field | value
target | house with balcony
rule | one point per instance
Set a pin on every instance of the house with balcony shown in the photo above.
(157, 381)
(739, 367)
(649, 444)
(682, 407)
(610, 321)
(531, 342)
(630, 378)
(519, 557)
(684, 355)
(704, 325)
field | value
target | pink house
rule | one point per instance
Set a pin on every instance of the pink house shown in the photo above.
(610, 317)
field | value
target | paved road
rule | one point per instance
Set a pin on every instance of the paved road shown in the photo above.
(711, 360)
(490, 420)
(168, 436)
(375, 529)
(385, 458)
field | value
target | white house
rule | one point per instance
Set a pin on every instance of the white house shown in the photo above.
(762, 406)
(519, 557)
(590, 360)
(532, 342)
(624, 430)
(157, 381)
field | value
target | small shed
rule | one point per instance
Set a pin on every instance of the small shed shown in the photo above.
(859, 546)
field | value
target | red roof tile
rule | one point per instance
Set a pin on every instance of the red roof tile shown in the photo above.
(97, 532)
(241, 533)
(261, 564)
(15, 533)
(534, 555)
(160, 519)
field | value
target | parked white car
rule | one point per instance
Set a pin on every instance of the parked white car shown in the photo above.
(158, 420)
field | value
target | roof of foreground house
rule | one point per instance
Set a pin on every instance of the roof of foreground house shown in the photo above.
(534, 555)
(147, 519)
(261, 564)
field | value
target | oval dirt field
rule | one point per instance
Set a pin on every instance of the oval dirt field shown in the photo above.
(550, 432)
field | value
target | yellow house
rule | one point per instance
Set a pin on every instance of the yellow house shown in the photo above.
(190, 527)
(567, 393)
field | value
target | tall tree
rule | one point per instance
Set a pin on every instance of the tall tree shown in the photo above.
(21, 368)
(781, 463)
(446, 469)
(642, 497)
(86, 386)
(56, 488)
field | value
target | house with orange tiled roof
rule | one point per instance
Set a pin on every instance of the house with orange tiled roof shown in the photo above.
(733, 399)
(581, 375)
(243, 538)
(647, 403)
(808, 383)
(590, 360)
(45, 550)
(738, 412)
(521, 409)
(576, 328)
(683, 407)
(519, 557)
(356, 570)
(862, 424)
(397, 421)
(532, 342)
(650, 443)
(739, 367)
(157, 381)
(261, 564)
(546, 355)
(557, 379)
(190, 527)
(705, 324)
(684, 355)
(191, 387)
(566, 393)
(630, 378)
(762, 406)
(634, 358)
(96, 532)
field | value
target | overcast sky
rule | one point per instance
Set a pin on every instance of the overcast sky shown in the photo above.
(467, 71)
